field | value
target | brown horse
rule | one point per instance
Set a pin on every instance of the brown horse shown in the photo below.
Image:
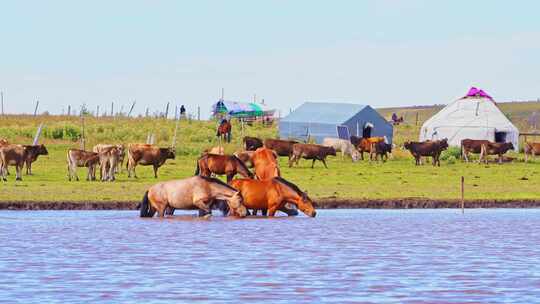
(197, 192)
(228, 165)
(224, 131)
(273, 194)
(265, 163)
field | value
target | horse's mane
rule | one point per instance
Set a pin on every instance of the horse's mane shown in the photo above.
(217, 181)
(290, 185)
(242, 164)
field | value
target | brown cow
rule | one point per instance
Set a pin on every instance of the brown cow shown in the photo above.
(532, 149)
(365, 145)
(265, 163)
(494, 149)
(12, 155)
(3, 142)
(427, 148)
(121, 154)
(252, 143)
(472, 146)
(311, 151)
(32, 153)
(228, 165)
(282, 147)
(147, 155)
(80, 158)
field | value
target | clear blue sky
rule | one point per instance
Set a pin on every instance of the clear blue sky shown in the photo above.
(381, 52)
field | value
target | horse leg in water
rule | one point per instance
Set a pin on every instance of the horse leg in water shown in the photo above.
(203, 205)
(288, 211)
(170, 210)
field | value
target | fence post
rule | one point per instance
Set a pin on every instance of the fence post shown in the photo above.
(462, 195)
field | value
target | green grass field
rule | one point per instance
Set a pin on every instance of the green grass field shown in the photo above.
(395, 179)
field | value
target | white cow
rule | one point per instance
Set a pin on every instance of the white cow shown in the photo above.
(342, 145)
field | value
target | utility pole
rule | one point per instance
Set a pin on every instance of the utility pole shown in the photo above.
(131, 109)
(112, 108)
(222, 93)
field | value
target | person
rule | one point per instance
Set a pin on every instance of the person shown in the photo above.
(394, 117)
(182, 111)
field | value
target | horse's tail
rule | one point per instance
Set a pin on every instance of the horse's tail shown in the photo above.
(145, 206)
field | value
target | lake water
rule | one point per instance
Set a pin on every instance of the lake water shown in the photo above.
(342, 256)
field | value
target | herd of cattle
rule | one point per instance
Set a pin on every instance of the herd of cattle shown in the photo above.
(110, 158)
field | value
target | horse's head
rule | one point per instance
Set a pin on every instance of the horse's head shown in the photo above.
(305, 204)
(236, 203)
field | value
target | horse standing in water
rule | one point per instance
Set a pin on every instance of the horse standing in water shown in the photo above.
(197, 192)
(228, 165)
(273, 194)
(224, 130)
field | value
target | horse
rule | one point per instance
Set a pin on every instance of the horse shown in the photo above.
(265, 163)
(272, 195)
(224, 130)
(196, 192)
(229, 165)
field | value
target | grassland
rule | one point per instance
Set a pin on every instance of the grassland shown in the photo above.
(398, 178)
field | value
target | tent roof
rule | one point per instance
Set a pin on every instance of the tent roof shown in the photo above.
(324, 112)
(242, 108)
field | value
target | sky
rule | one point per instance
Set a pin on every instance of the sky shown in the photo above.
(382, 52)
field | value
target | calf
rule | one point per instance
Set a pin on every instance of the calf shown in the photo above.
(382, 149)
(343, 145)
(80, 158)
(471, 146)
(252, 143)
(311, 151)
(121, 152)
(427, 148)
(32, 153)
(147, 155)
(108, 162)
(494, 149)
(12, 155)
(282, 147)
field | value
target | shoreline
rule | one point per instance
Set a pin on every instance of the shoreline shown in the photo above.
(324, 203)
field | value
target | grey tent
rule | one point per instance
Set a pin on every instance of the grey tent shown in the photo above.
(317, 120)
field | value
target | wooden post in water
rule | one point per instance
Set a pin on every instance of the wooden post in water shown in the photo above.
(462, 195)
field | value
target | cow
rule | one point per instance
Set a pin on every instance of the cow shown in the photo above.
(365, 144)
(427, 148)
(121, 152)
(311, 151)
(472, 146)
(147, 155)
(252, 143)
(32, 153)
(3, 142)
(108, 162)
(80, 158)
(494, 149)
(532, 149)
(381, 148)
(12, 155)
(246, 157)
(282, 147)
(343, 145)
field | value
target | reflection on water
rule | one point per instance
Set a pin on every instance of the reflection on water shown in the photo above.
(371, 256)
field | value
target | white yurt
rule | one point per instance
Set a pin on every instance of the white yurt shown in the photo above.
(474, 116)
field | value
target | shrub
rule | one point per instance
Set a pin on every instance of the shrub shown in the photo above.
(454, 152)
(451, 160)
